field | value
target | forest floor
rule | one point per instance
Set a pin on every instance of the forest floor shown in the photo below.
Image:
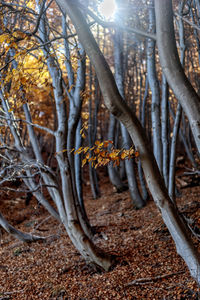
(147, 267)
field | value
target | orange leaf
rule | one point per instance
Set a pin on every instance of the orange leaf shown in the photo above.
(84, 162)
(136, 153)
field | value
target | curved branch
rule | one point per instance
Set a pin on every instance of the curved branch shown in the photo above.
(24, 237)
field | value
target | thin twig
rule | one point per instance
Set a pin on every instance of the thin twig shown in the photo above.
(151, 279)
(187, 21)
(42, 222)
(32, 124)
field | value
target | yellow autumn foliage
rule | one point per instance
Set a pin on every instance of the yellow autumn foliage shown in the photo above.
(101, 154)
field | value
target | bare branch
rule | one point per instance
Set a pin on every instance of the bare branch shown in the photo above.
(115, 25)
(187, 21)
(151, 279)
(32, 124)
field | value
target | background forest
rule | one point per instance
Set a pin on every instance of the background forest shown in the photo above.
(99, 145)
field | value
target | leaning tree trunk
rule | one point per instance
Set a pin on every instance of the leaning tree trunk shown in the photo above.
(22, 236)
(172, 68)
(119, 108)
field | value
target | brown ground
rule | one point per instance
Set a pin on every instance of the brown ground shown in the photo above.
(54, 269)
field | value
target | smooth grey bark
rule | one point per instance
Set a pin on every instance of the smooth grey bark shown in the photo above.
(155, 89)
(91, 138)
(113, 173)
(136, 197)
(78, 181)
(76, 87)
(143, 123)
(119, 108)
(94, 122)
(172, 68)
(75, 106)
(144, 102)
(173, 153)
(164, 129)
(73, 132)
(22, 236)
(177, 120)
(68, 65)
(183, 139)
(77, 166)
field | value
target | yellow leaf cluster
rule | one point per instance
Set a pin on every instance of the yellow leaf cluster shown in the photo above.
(102, 153)
(5, 37)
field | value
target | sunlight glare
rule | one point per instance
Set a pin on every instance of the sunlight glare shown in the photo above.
(107, 8)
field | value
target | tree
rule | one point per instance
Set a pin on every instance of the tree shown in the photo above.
(117, 107)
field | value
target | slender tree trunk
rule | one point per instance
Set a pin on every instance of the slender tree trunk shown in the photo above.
(91, 137)
(113, 173)
(177, 120)
(77, 166)
(143, 122)
(183, 140)
(173, 153)
(154, 86)
(165, 135)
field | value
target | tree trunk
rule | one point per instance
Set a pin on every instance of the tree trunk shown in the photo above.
(164, 129)
(155, 89)
(113, 172)
(172, 163)
(24, 237)
(91, 138)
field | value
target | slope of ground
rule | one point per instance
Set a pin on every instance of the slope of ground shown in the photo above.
(147, 267)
